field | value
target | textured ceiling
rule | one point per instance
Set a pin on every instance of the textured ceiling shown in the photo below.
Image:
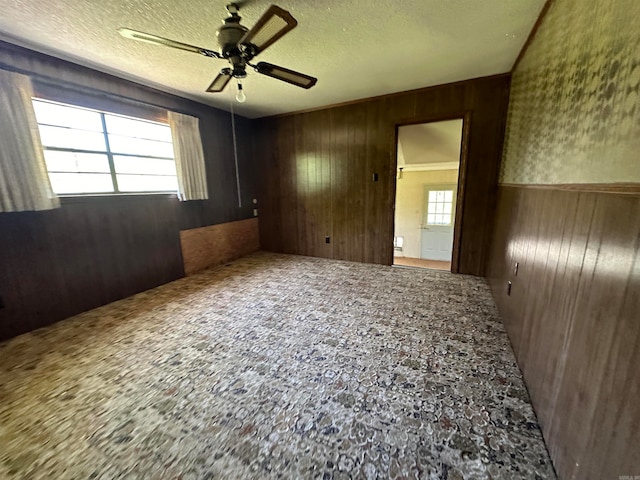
(357, 49)
(430, 144)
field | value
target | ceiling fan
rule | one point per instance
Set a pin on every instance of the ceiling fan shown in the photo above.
(239, 45)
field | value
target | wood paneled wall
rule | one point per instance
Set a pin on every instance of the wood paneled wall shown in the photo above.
(319, 168)
(211, 246)
(574, 322)
(94, 250)
(85, 254)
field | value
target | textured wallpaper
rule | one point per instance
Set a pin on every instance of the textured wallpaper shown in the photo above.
(574, 113)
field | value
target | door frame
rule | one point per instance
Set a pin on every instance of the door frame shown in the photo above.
(465, 116)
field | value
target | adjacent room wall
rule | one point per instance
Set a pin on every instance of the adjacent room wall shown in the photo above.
(94, 250)
(410, 205)
(321, 166)
(569, 214)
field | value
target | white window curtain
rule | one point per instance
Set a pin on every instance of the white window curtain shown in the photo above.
(187, 147)
(24, 182)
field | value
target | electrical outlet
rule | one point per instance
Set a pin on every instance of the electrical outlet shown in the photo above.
(509, 288)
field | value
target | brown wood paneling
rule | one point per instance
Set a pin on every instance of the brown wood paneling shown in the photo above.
(211, 246)
(84, 254)
(356, 141)
(94, 250)
(573, 320)
(270, 238)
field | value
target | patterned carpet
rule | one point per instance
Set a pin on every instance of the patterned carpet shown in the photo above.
(274, 366)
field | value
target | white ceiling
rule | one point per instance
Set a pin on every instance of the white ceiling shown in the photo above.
(356, 48)
(430, 146)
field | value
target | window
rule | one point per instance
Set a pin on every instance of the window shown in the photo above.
(89, 151)
(439, 207)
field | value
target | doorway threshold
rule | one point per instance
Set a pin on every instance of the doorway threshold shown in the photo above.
(421, 263)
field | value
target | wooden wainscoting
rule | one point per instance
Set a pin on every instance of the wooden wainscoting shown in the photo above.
(573, 317)
(217, 244)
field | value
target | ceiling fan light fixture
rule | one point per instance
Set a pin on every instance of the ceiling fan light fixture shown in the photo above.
(240, 96)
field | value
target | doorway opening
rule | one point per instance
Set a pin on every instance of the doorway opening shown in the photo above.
(428, 164)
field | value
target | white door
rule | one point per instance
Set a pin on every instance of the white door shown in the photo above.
(436, 238)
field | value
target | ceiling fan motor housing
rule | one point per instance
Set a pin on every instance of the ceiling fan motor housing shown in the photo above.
(229, 34)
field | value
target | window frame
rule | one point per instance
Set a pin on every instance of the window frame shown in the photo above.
(116, 192)
(451, 213)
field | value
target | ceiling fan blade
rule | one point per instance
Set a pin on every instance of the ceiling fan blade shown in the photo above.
(273, 25)
(156, 40)
(286, 75)
(220, 81)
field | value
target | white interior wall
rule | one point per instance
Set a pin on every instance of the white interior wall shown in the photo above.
(410, 205)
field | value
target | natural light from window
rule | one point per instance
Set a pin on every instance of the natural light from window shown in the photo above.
(440, 207)
(93, 152)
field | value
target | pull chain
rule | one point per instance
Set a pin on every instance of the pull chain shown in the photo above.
(235, 148)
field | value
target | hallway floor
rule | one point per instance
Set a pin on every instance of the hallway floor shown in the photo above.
(421, 263)
(274, 366)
